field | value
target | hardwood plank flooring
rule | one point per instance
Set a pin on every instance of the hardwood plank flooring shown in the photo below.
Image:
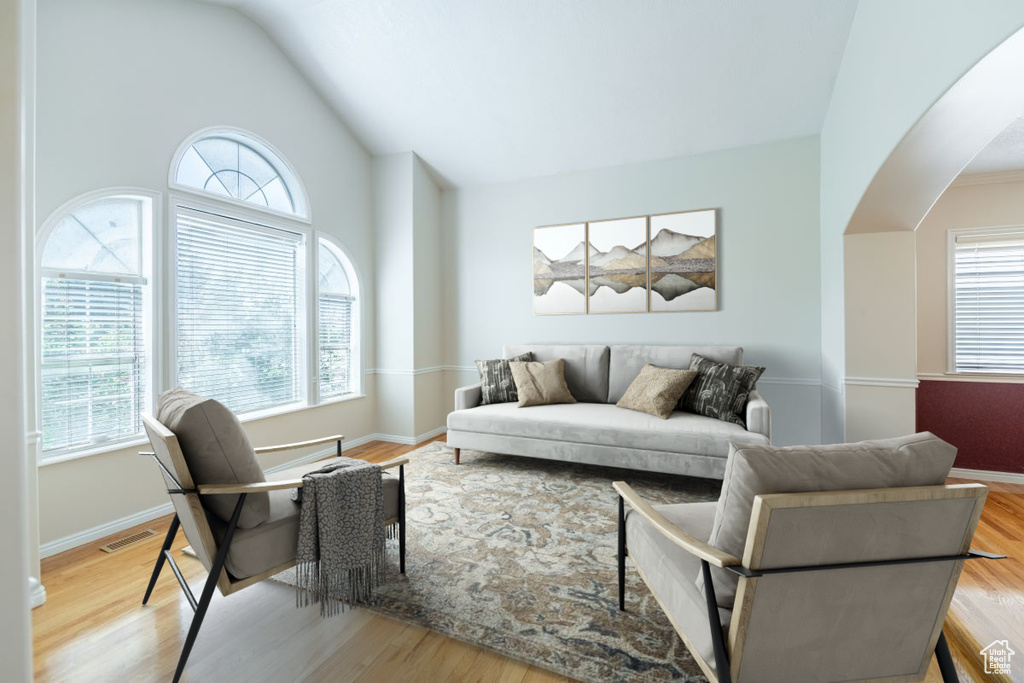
(93, 626)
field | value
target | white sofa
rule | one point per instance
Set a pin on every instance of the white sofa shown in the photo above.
(595, 430)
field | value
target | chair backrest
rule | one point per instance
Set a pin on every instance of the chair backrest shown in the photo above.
(856, 624)
(190, 510)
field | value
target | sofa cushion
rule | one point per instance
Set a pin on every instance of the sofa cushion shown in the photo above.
(669, 570)
(217, 451)
(606, 425)
(496, 383)
(540, 383)
(720, 390)
(273, 543)
(586, 367)
(656, 391)
(626, 362)
(917, 460)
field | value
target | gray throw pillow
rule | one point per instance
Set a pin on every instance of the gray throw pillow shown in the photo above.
(496, 383)
(217, 451)
(720, 390)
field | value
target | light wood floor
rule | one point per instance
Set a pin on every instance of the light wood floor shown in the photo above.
(93, 626)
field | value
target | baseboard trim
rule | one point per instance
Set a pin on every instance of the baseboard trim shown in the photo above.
(95, 533)
(988, 475)
(36, 592)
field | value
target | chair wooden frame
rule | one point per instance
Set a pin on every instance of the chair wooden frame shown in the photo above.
(729, 655)
(165, 444)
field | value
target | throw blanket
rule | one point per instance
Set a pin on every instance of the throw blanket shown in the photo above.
(340, 557)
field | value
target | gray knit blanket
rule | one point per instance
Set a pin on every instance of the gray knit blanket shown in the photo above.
(340, 557)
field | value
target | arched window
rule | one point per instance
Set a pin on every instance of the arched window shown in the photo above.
(93, 295)
(338, 320)
(238, 167)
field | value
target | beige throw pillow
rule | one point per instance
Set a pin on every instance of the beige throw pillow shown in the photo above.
(657, 390)
(540, 383)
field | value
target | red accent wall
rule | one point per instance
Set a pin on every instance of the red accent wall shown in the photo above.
(984, 420)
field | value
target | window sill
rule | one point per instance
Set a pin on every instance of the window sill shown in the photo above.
(982, 377)
(143, 441)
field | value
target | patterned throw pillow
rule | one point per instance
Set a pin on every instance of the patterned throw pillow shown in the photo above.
(657, 390)
(496, 383)
(720, 390)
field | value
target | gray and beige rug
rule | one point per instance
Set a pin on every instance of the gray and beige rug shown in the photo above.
(517, 555)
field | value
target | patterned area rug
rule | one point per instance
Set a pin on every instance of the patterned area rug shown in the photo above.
(517, 555)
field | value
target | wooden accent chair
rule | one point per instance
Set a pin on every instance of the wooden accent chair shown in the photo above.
(824, 585)
(237, 558)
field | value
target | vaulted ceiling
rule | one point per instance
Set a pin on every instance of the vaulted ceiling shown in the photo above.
(496, 90)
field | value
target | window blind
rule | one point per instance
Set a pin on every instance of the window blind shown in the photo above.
(238, 311)
(93, 360)
(335, 342)
(989, 303)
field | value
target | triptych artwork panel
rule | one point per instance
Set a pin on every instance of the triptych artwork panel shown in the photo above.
(657, 263)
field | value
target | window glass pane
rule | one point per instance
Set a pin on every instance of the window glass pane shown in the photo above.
(228, 168)
(238, 301)
(989, 303)
(101, 237)
(93, 362)
(335, 307)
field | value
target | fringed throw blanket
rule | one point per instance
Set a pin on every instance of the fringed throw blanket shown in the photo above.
(340, 558)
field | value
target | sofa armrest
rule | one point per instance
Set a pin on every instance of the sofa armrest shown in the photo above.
(758, 415)
(467, 397)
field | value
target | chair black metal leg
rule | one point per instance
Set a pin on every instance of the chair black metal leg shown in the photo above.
(717, 638)
(401, 518)
(339, 448)
(945, 660)
(622, 554)
(211, 583)
(175, 523)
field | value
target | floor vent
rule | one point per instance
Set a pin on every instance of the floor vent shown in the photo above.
(122, 543)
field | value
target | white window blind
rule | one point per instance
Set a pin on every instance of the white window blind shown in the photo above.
(238, 311)
(93, 359)
(335, 335)
(989, 303)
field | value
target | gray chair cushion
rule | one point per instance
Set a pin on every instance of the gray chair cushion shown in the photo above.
(917, 460)
(669, 569)
(216, 450)
(586, 367)
(626, 362)
(273, 543)
(606, 425)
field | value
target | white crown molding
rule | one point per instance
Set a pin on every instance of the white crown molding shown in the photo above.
(988, 178)
(892, 382)
(954, 377)
(988, 475)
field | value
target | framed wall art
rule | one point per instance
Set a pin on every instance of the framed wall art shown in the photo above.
(560, 269)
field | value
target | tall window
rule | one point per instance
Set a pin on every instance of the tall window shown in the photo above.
(335, 316)
(93, 362)
(239, 311)
(988, 301)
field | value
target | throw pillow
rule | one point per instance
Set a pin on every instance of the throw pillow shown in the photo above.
(720, 390)
(496, 383)
(657, 390)
(541, 383)
(217, 451)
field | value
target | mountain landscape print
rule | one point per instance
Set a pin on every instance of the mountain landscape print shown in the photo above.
(617, 266)
(684, 261)
(657, 263)
(560, 269)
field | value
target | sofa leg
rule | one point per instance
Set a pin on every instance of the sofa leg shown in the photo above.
(456, 456)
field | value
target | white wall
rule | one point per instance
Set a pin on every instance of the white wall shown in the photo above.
(121, 84)
(899, 59)
(15, 78)
(768, 264)
(989, 205)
